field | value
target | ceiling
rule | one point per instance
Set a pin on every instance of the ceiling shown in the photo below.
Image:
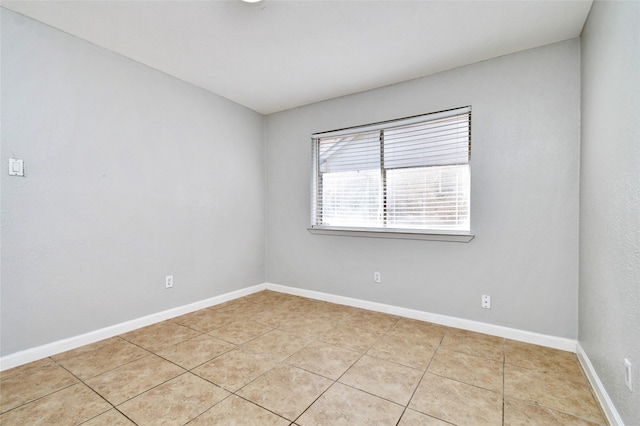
(275, 55)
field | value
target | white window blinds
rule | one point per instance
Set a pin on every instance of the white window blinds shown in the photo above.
(403, 174)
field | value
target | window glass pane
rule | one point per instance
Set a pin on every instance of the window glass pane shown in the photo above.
(402, 174)
(351, 198)
(429, 197)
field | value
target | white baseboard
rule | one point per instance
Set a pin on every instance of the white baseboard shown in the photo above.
(39, 352)
(480, 327)
(605, 402)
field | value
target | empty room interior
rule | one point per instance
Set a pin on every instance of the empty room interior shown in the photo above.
(189, 233)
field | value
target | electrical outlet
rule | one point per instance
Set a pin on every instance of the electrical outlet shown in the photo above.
(627, 374)
(168, 281)
(486, 301)
(376, 277)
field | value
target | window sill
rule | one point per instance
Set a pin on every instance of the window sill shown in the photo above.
(404, 234)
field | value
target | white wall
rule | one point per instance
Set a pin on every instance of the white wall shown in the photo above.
(610, 199)
(525, 171)
(131, 175)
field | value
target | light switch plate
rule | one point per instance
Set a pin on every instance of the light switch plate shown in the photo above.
(16, 167)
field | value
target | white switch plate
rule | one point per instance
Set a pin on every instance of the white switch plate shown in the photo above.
(16, 167)
(168, 281)
(376, 277)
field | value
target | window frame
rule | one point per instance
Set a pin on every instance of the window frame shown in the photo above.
(385, 232)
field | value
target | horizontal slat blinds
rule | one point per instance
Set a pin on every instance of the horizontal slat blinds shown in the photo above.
(403, 174)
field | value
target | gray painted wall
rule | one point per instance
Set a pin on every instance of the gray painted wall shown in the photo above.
(131, 175)
(610, 199)
(524, 197)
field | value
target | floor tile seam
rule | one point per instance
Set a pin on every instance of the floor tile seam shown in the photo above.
(366, 329)
(58, 361)
(583, 384)
(555, 409)
(330, 378)
(229, 394)
(32, 370)
(416, 409)
(122, 365)
(393, 361)
(111, 406)
(245, 399)
(148, 353)
(240, 344)
(582, 381)
(148, 389)
(465, 383)
(43, 396)
(382, 397)
(313, 402)
(153, 351)
(113, 368)
(448, 348)
(419, 382)
(193, 368)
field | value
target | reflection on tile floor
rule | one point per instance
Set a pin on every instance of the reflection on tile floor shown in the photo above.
(276, 359)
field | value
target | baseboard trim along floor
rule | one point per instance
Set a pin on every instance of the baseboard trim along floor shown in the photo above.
(53, 348)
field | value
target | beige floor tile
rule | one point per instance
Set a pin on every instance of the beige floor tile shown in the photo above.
(371, 321)
(414, 418)
(352, 338)
(206, 320)
(158, 336)
(546, 360)
(90, 363)
(86, 348)
(275, 316)
(242, 309)
(457, 402)
(268, 297)
(285, 390)
(481, 372)
(476, 344)
(308, 326)
(334, 312)
(301, 305)
(553, 392)
(20, 389)
(403, 349)
(110, 418)
(241, 331)
(25, 368)
(174, 402)
(414, 330)
(385, 379)
(344, 406)
(287, 363)
(235, 368)
(69, 406)
(129, 380)
(520, 413)
(324, 359)
(193, 352)
(237, 411)
(277, 344)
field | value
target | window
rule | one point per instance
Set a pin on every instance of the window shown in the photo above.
(408, 176)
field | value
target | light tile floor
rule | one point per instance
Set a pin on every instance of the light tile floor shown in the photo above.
(276, 359)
